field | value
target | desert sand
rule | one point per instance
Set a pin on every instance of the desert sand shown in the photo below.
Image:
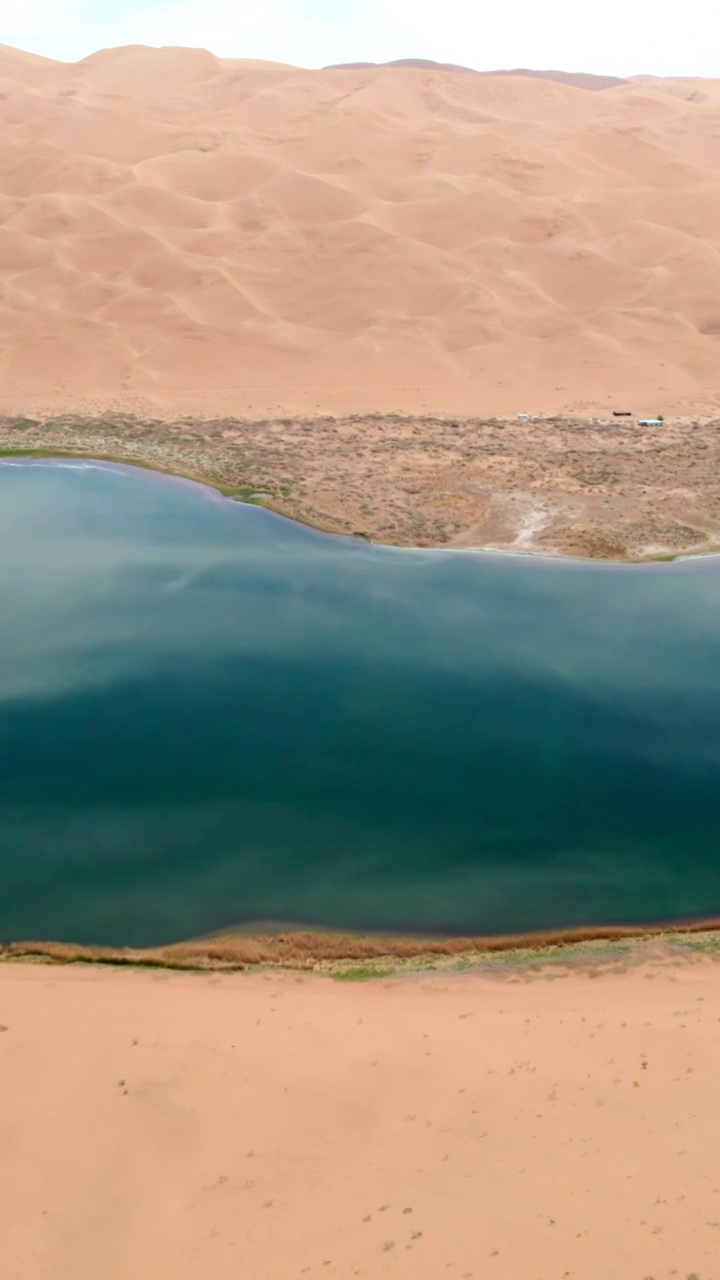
(189, 234)
(280, 1125)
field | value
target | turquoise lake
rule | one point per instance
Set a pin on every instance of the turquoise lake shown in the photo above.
(211, 716)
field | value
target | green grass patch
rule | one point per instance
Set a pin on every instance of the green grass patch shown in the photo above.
(245, 493)
(361, 973)
(39, 453)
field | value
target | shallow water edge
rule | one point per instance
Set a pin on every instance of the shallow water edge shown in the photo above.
(249, 497)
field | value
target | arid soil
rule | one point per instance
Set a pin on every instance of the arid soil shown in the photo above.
(177, 1126)
(600, 488)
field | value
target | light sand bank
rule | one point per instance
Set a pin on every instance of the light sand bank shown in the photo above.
(180, 1126)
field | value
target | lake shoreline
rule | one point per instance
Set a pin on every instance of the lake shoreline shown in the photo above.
(248, 495)
(558, 487)
(349, 956)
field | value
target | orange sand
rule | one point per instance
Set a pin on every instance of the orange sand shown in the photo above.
(199, 235)
(177, 1126)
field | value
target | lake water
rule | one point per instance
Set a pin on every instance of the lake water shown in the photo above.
(211, 716)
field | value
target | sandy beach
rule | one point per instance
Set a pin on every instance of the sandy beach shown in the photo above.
(283, 1124)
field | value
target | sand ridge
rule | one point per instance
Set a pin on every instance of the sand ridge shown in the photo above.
(180, 1125)
(208, 235)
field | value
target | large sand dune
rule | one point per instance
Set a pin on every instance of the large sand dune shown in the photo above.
(208, 235)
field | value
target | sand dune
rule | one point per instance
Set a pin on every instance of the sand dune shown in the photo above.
(206, 235)
(580, 79)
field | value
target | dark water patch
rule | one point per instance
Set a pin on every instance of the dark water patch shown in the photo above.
(210, 715)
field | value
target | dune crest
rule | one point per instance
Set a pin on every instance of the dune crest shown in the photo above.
(210, 235)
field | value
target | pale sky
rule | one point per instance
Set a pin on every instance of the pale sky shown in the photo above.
(618, 37)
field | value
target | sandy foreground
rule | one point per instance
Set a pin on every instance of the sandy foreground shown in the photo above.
(277, 1125)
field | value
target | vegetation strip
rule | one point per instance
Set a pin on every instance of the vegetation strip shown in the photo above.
(594, 488)
(358, 957)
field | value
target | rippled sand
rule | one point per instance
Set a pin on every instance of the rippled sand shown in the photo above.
(223, 236)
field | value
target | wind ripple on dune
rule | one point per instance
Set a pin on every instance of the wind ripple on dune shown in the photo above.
(187, 231)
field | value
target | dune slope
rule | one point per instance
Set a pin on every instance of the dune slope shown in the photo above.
(210, 235)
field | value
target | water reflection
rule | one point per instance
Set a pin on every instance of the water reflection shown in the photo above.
(210, 715)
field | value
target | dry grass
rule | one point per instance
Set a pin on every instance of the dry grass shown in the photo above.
(606, 490)
(338, 952)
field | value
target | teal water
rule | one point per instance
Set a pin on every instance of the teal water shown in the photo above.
(211, 716)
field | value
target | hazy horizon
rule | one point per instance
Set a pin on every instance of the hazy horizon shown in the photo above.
(409, 58)
(317, 33)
